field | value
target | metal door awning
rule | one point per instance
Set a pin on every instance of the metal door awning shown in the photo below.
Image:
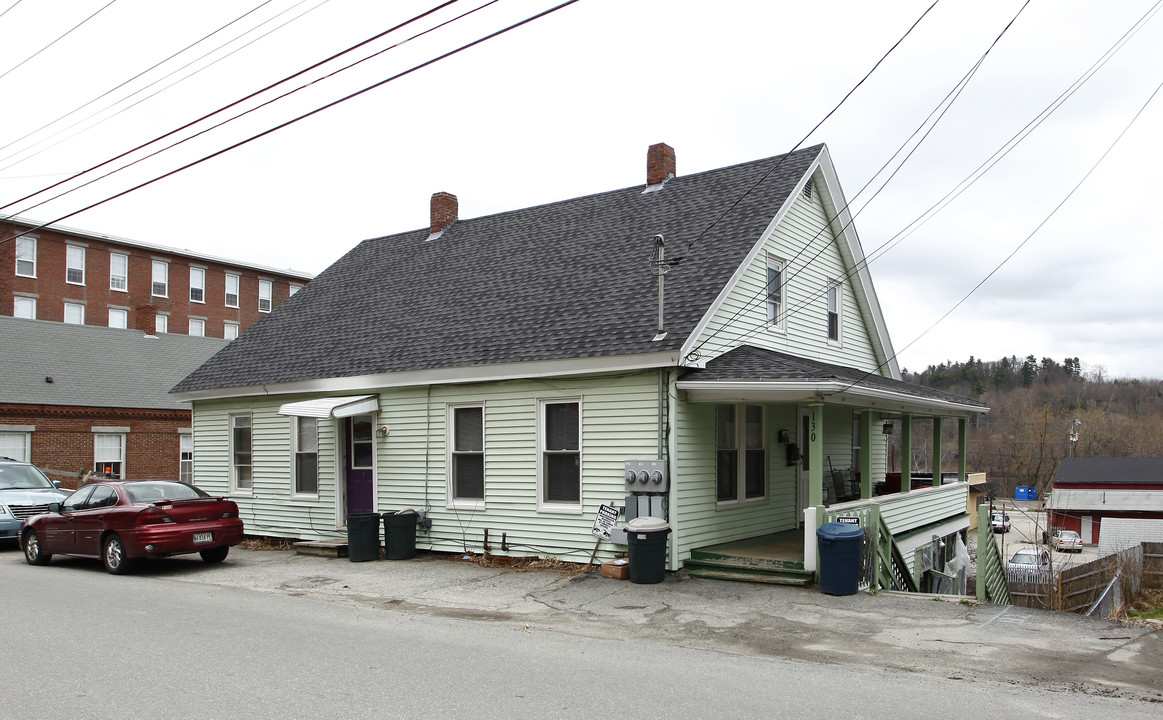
(332, 407)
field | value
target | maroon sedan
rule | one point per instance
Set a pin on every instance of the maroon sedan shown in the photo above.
(122, 520)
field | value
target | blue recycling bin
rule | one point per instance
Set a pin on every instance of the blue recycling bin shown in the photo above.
(840, 546)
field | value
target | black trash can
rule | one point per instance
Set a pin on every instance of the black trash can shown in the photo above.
(840, 546)
(363, 537)
(400, 535)
(647, 539)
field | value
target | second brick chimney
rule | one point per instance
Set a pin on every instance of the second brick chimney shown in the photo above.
(145, 319)
(659, 163)
(444, 211)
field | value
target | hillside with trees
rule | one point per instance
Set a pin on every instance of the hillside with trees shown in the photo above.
(1041, 411)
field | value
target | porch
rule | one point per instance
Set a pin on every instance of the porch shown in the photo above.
(776, 559)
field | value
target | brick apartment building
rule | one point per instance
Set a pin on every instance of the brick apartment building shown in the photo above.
(76, 398)
(83, 278)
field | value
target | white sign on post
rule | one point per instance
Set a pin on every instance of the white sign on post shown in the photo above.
(607, 516)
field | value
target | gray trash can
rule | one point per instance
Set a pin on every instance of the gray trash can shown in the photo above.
(363, 537)
(646, 537)
(840, 546)
(400, 535)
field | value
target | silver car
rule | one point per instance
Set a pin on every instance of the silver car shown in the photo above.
(1066, 541)
(24, 492)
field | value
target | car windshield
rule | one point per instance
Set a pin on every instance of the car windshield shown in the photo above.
(22, 477)
(151, 491)
(1025, 558)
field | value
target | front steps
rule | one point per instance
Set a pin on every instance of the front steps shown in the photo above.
(718, 566)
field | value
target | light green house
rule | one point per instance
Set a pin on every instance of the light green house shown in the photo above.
(496, 375)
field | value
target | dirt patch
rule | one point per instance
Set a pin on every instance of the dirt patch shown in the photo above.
(525, 564)
(267, 543)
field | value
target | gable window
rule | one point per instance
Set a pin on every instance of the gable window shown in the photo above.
(561, 452)
(264, 296)
(197, 285)
(197, 327)
(161, 278)
(467, 443)
(231, 290)
(26, 257)
(186, 457)
(74, 313)
(118, 272)
(118, 318)
(16, 444)
(24, 307)
(109, 453)
(74, 265)
(742, 452)
(241, 477)
(834, 311)
(775, 312)
(229, 330)
(306, 456)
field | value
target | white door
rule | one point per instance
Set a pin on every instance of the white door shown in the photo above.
(1087, 530)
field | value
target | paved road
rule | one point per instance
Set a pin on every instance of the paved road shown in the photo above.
(176, 644)
(872, 640)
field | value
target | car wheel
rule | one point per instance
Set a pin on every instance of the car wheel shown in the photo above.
(216, 555)
(113, 556)
(32, 552)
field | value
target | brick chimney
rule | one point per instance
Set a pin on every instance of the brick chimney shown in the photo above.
(659, 163)
(444, 211)
(145, 319)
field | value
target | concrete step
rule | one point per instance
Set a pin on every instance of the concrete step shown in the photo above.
(768, 579)
(322, 548)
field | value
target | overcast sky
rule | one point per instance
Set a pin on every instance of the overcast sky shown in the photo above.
(567, 105)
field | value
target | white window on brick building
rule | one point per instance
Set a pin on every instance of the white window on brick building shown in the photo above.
(118, 318)
(109, 451)
(161, 278)
(118, 272)
(230, 330)
(24, 307)
(74, 313)
(197, 327)
(74, 265)
(26, 256)
(264, 296)
(16, 442)
(231, 290)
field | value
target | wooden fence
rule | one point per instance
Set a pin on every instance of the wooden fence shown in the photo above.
(1077, 589)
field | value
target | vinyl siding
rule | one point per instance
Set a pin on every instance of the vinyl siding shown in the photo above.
(812, 257)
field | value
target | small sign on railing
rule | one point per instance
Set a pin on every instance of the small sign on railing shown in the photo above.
(848, 520)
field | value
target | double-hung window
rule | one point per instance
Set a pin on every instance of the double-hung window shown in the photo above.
(197, 285)
(186, 457)
(15, 442)
(775, 293)
(306, 456)
(75, 313)
(834, 297)
(119, 272)
(264, 296)
(161, 278)
(241, 470)
(161, 323)
(231, 290)
(742, 452)
(467, 455)
(561, 452)
(109, 453)
(26, 257)
(197, 327)
(118, 318)
(24, 307)
(74, 265)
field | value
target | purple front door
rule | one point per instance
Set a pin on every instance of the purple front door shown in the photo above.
(360, 452)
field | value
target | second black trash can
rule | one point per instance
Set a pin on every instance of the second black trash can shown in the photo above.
(840, 546)
(363, 537)
(400, 535)
(647, 539)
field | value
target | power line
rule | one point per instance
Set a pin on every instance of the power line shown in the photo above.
(304, 116)
(54, 42)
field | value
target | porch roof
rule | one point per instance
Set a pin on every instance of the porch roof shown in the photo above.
(751, 374)
(332, 407)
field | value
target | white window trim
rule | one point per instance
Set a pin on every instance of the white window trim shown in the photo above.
(270, 295)
(17, 297)
(780, 322)
(839, 286)
(228, 324)
(76, 304)
(194, 269)
(113, 275)
(741, 459)
(153, 278)
(119, 431)
(71, 248)
(26, 431)
(295, 494)
(161, 323)
(26, 242)
(542, 504)
(237, 290)
(234, 488)
(455, 503)
(183, 434)
(190, 326)
(124, 311)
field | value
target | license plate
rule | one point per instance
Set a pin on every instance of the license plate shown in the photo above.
(203, 537)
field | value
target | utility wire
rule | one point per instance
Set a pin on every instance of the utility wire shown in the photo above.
(9, 8)
(123, 84)
(54, 42)
(258, 107)
(328, 106)
(235, 103)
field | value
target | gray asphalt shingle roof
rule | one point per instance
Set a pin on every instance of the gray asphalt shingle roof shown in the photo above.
(559, 281)
(1110, 471)
(95, 366)
(748, 363)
